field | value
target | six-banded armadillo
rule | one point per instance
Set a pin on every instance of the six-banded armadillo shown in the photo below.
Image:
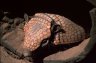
(38, 28)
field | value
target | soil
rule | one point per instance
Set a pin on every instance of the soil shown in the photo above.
(12, 32)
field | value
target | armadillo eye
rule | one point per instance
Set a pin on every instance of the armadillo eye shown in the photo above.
(44, 42)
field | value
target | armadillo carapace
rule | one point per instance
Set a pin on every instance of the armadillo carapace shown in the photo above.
(38, 28)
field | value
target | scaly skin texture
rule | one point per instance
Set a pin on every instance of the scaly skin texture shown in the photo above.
(38, 28)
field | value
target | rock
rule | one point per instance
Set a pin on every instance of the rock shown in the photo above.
(14, 38)
(17, 21)
(21, 25)
(4, 27)
(11, 21)
(5, 18)
(8, 20)
(6, 58)
(5, 13)
(1, 23)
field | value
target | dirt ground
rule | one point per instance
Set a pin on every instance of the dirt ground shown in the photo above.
(13, 34)
(16, 39)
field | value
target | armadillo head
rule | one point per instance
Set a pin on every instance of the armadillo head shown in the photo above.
(35, 31)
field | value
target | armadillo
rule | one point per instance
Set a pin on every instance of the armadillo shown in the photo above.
(38, 28)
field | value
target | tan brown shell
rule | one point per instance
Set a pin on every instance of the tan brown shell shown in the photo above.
(38, 28)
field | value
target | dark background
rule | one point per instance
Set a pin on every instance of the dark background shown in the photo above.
(76, 10)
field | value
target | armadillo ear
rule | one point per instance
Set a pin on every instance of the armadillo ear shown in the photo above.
(55, 28)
